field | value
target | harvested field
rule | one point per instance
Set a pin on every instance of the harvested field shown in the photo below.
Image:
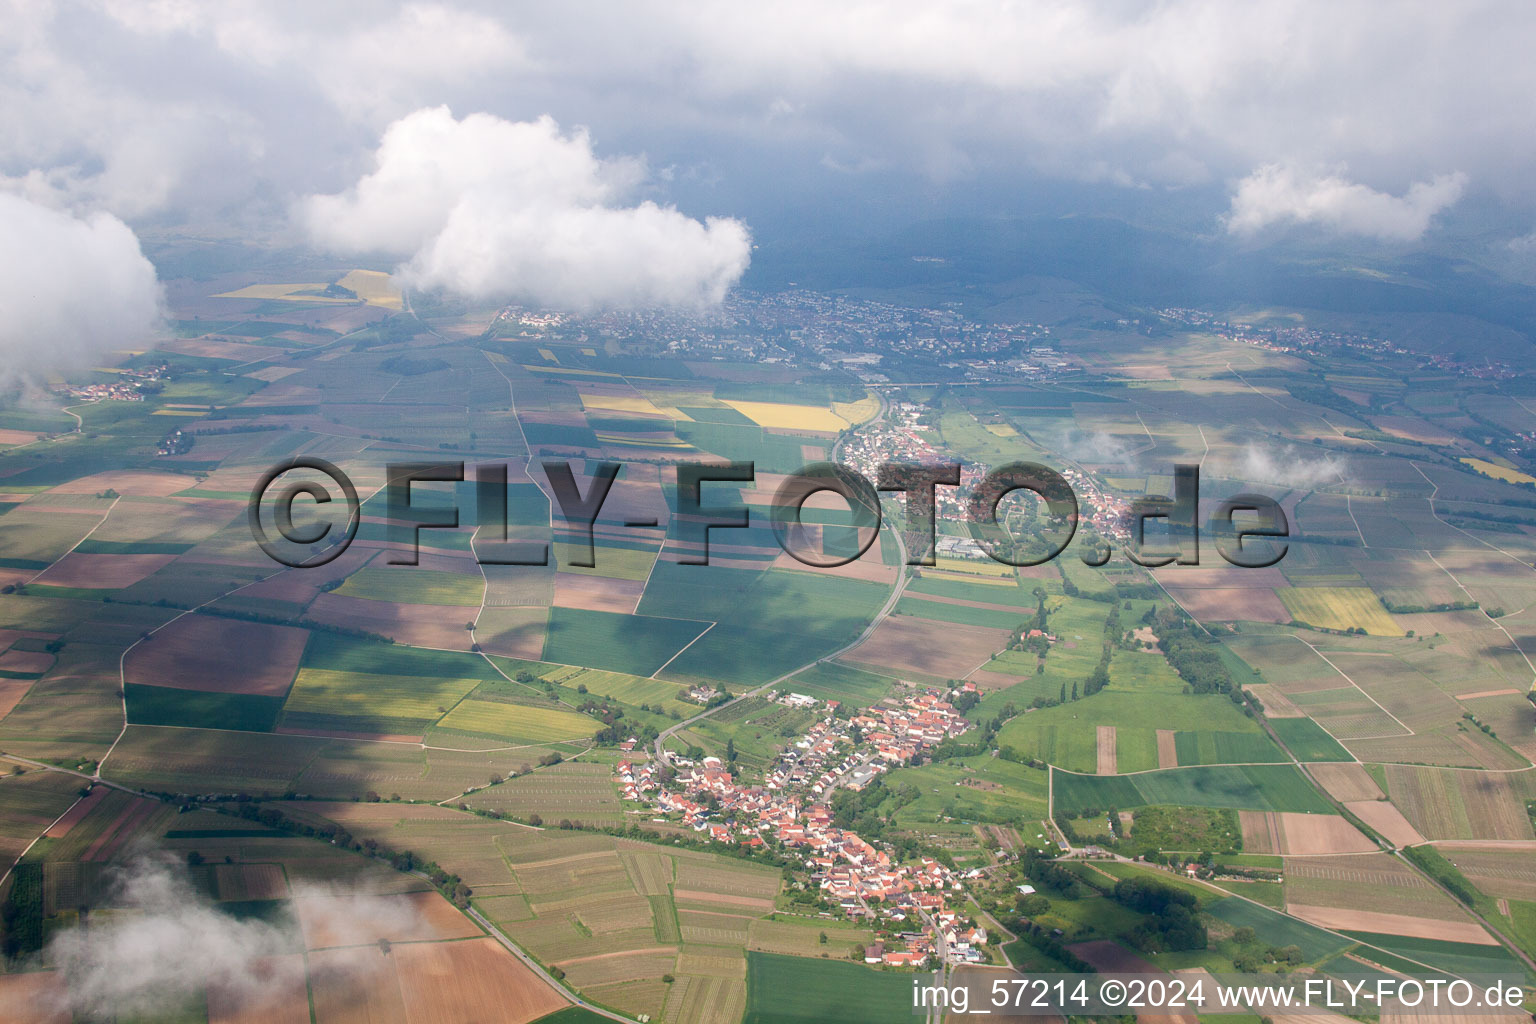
(1474, 695)
(11, 693)
(101, 572)
(1261, 832)
(945, 650)
(597, 593)
(1167, 749)
(329, 921)
(212, 654)
(1248, 604)
(989, 681)
(1106, 758)
(282, 996)
(1303, 835)
(1346, 782)
(1339, 919)
(478, 980)
(1386, 819)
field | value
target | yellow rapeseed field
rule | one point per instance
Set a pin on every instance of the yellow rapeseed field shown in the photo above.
(1339, 608)
(1498, 472)
(790, 417)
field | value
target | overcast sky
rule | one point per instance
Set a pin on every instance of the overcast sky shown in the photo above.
(669, 135)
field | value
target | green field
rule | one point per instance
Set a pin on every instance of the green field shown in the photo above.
(411, 584)
(632, 690)
(372, 657)
(410, 703)
(773, 621)
(1279, 787)
(1211, 729)
(792, 990)
(979, 788)
(1277, 929)
(633, 644)
(1457, 957)
(960, 613)
(986, 593)
(517, 722)
(1226, 748)
(830, 681)
(1308, 740)
(164, 705)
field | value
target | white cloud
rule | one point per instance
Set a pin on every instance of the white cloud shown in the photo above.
(1277, 194)
(1287, 467)
(71, 288)
(491, 208)
(169, 943)
(171, 108)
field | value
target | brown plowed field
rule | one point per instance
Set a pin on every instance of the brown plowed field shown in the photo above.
(1346, 782)
(205, 652)
(59, 829)
(1249, 604)
(477, 980)
(1167, 749)
(32, 662)
(1386, 819)
(1106, 752)
(359, 920)
(356, 986)
(516, 632)
(1340, 919)
(421, 625)
(282, 998)
(989, 681)
(946, 650)
(29, 998)
(102, 572)
(11, 693)
(1305, 835)
(1261, 833)
(139, 484)
(597, 593)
